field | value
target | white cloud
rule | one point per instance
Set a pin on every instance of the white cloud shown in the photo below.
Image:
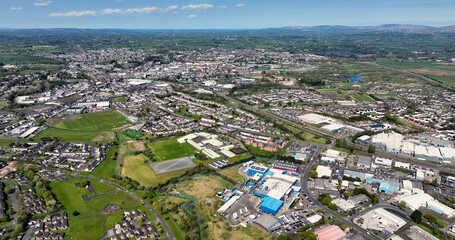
(202, 6)
(16, 8)
(73, 14)
(43, 3)
(192, 16)
(222, 6)
(119, 1)
(110, 11)
(240, 5)
(116, 11)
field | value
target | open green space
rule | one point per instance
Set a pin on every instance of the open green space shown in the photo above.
(171, 149)
(95, 121)
(363, 97)
(447, 80)
(106, 169)
(133, 134)
(135, 167)
(89, 223)
(416, 65)
(119, 99)
(66, 135)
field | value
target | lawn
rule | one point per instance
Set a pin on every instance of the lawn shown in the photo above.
(66, 135)
(119, 99)
(89, 223)
(447, 80)
(106, 169)
(95, 121)
(171, 149)
(135, 168)
(364, 98)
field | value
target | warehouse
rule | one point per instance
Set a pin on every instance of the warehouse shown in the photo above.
(315, 119)
(324, 171)
(421, 199)
(271, 205)
(332, 232)
(257, 168)
(334, 127)
(343, 204)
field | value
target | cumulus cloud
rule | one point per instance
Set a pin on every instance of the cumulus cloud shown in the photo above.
(202, 6)
(116, 11)
(240, 5)
(16, 8)
(73, 14)
(192, 16)
(43, 3)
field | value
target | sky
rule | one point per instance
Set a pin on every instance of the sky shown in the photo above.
(221, 14)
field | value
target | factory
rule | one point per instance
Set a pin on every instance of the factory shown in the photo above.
(418, 199)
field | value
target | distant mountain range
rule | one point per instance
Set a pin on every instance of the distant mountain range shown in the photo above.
(377, 28)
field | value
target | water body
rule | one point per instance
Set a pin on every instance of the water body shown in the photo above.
(354, 79)
(346, 52)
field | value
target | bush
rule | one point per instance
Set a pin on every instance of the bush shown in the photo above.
(441, 224)
(416, 216)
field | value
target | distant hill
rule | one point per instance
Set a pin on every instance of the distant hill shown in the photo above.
(376, 28)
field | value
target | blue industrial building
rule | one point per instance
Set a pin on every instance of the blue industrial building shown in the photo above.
(257, 168)
(354, 174)
(271, 205)
(388, 188)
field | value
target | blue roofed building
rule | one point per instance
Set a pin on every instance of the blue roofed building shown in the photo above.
(257, 168)
(389, 188)
(270, 205)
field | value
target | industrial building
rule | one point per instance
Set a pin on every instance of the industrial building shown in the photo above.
(332, 232)
(316, 119)
(422, 199)
(324, 171)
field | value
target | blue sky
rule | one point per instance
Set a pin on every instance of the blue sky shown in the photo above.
(222, 14)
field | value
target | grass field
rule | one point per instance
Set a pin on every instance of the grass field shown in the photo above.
(171, 149)
(233, 173)
(89, 224)
(94, 121)
(119, 99)
(104, 136)
(364, 98)
(447, 80)
(135, 168)
(133, 134)
(106, 169)
(66, 135)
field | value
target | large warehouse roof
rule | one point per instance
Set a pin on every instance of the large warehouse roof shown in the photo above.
(331, 232)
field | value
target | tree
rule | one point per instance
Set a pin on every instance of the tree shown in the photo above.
(326, 200)
(441, 224)
(333, 206)
(402, 204)
(371, 148)
(85, 182)
(307, 235)
(416, 216)
(431, 218)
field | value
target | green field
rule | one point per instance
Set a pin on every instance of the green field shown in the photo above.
(89, 224)
(135, 168)
(133, 134)
(364, 98)
(67, 135)
(447, 80)
(106, 169)
(95, 121)
(119, 99)
(417, 65)
(171, 149)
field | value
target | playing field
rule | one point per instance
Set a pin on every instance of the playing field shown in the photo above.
(94, 121)
(133, 134)
(364, 98)
(89, 223)
(66, 135)
(171, 149)
(135, 168)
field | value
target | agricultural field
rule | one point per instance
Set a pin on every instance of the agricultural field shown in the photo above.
(171, 149)
(89, 224)
(135, 167)
(94, 121)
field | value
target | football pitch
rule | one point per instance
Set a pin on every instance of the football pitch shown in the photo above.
(95, 121)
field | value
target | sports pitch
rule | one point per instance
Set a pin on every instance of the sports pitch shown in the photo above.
(172, 165)
(95, 121)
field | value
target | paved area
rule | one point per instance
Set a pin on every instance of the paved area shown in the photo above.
(172, 165)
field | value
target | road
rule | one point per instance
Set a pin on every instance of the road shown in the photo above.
(325, 208)
(262, 112)
(157, 215)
